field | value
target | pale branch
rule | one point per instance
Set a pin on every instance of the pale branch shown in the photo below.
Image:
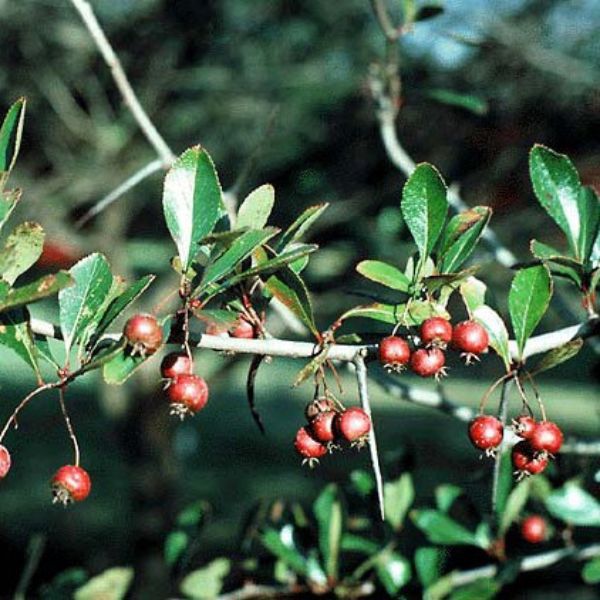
(120, 78)
(121, 190)
(385, 22)
(363, 394)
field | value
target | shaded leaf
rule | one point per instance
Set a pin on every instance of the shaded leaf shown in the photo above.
(469, 102)
(589, 213)
(473, 292)
(591, 571)
(497, 332)
(574, 505)
(21, 250)
(445, 495)
(206, 583)
(482, 589)
(384, 274)
(398, 497)
(176, 544)
(256, 208)
(393, 571)
(556, 356)
(514, 505)
(254, 365)
(330, 518)
(281, 544)
(441, 529)
(505, 483)
(10, 138)
(113, 584)
(429, 562)
(15, 333)
(359, 544)
(41, 288)
(191, 201)
(299, 227)
(8, 202)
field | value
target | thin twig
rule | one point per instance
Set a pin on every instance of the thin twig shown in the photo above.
(63, 408)
(119, 191)
(35, 550)
(129, 96)
(361, 377)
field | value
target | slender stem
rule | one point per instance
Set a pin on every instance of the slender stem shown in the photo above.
(492, 388)
(502, 415)
(120, 78)
(385, 22)
(35, 550)
(361, 377)
(63, 408)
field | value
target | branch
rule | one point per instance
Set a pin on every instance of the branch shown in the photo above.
(361, 378)
(129, 96)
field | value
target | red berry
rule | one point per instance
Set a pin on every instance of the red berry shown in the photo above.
(394, 352)
(309, 448)
(5, 461)
(71, 484)
(322, 428)
(471, 339)
(525, 460)
(144, 334)
(523, 426)
(317, 406)
(243, 329)
(428, 362)
(187, 394)
(436, 331)
(486, 433)
(176, 363)
(533, 529)
(353, 425)
(546, 437)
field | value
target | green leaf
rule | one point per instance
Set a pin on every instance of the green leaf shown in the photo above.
(384, 274)
(191, 201)
(393, 571)
(528, 300)
(574, 505)
(557, 187)
(15, 333)
(290, 290)
(482, 589)
(79, 304)
(461, 236)
(175, 545)
(398, 497)
(505, 482)
(448, 281)
(409, 315)
(299, 227)
(194, 514)
(206, 583)
(21, 250)
(39, 289)
(591, 571)
(281, 544)
(255, 209)
(113, 584)
(514, 505)
(473, 292)
(560, 265)
(441, 529)
(589, 213)
(240, 249)
(424, 207)
(556, 356)
(429, 562)
(330, 518)
(469, 102)
(445, 495)
(10, 138)
(359, 544)
(362, 482)
(497, 331)
(8, 202)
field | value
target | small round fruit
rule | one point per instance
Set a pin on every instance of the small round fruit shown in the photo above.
(187, 394)
(524, 426)
(486, 433)
(322, 426)
(546, 437)
(436, 331)
(176, 363)
(243, 329)
(309, 448)
(353, 425)
(471, 339)
(144, 334)
(533, 529)
(71, 484)
(428, 362)
(5, 461)
(394, 353)
(316, 406)
(525, 460)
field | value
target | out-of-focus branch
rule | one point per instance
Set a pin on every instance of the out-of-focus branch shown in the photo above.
(129, 96)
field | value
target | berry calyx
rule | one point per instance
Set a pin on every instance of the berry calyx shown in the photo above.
(436, 331)
(471, 339)
(317, 406)
(144, 334)
(486, 433)
(187, 394)
(243, 329)
(70, 483)
(524, 426)
(322, 427)
(394, 353)
(546, 437)
(534, 529)
(174, 364)
(5, 461)
(525, 460)
(428, 362)
(354, 425)
(309, 448)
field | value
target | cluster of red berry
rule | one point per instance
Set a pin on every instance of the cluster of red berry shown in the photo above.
(330, 425)
(435, 335)
(540, 441)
